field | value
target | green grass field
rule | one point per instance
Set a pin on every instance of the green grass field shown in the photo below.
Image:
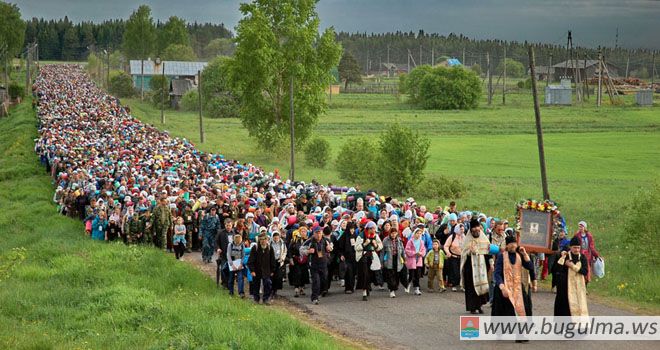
(60, 290)
(596, 160)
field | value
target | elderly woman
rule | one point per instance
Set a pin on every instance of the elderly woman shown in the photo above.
(367, 246)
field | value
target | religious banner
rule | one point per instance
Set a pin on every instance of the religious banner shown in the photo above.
(535, 225)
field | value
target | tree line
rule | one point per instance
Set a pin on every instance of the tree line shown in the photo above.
(64, 40)
(371, 50)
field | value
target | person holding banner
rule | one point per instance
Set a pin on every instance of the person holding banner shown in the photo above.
(572, 269)
(511, 295)
(475, 262)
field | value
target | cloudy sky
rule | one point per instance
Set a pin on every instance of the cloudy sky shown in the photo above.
(593, 22)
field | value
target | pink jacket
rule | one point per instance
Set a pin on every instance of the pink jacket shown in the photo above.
(412, 261)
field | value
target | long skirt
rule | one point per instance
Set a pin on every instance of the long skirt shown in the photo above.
(473, 301)
(502, 306)
(453, 266)
(278, 277)
(299, 275)
(364, 273)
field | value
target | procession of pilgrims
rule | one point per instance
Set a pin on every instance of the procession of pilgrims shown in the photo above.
(128, 181)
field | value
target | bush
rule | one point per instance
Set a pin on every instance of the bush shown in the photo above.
(121, 84)
(160, 88)
(402, 159)
(190, 101)
(223, 106)
(641, 227)
(317, 152)
(15, 91)
(411, 83)
(440, 188)
(525, 84)
(476, 68)
(356, 161)
(450, 88)
(514, 68)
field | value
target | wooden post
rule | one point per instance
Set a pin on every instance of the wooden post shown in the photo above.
(599, 99)
(27, 70)
(539, 129)
(653, 71)
(627, 64)
(490, 80)
(142, 80)
(504, 79)
(547, 79)
(162, 95)
(199, 95)
(432, 56)
(585, 93)
(463, 62)
(292, 131)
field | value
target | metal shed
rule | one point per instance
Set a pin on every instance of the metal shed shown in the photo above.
(644, 97)
(558, 95)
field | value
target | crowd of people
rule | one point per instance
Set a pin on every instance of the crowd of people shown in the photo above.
(128, 181)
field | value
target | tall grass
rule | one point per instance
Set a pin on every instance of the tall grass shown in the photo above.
(61, 290)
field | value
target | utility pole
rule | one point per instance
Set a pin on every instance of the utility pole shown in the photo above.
(27, 69)
(292, 131)
(162, 95)
(547, 79)
(585, 93)
(463, 62)
(504, 79)
(599, 98)
(367, 65)
(388, 64)
(539, 129)
(107, 73)
(627, 64)
(142, 80)
(199, 95)
(420, 54)
(432, 56)
(490, 79)
(653, 71)
(408, 61)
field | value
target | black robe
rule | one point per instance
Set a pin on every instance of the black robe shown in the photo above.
(562, 307)
(473, 302)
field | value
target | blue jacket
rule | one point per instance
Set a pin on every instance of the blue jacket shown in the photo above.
(98, 228)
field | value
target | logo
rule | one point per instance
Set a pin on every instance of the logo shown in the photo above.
(469, 327)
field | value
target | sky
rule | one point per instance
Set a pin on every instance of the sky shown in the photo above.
(593, 22)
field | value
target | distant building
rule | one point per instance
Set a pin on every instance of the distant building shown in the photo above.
(543, 72)
(393, 69)
(450, 62)
(173, 70)
(587, 69)
(178, 88)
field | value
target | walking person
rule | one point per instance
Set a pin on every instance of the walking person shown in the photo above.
(475, 262)
(235, 254)
(415, 252)
(280, 251)
(453, 247)
(179, 239)
(435, 260)
(298, 263)
(208, 229)
(318, 248)
(367, 245)
(393, 260)
(587, 247)
(346, 251)
(262, 267)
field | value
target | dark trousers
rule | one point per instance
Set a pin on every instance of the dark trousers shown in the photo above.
(179, 249)
(414, 275)
(256, 284)
(239, 277)
(453, 265)
(319, 274)
(349, 276)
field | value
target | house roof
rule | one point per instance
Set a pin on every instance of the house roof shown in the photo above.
(180, 86)
(543, 70)
(576, 64)
(172, 68)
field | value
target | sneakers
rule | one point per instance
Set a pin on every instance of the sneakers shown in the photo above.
(297, 293)
(417, 291)
(407, 289)
(315, 301)
(392, 295)
(381, 287)
(443, 290)
(453, 289)
(342, 283)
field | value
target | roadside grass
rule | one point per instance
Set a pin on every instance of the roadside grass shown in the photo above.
(62, 290)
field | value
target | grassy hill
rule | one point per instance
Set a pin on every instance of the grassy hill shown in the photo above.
(597, 159)
(61, 290)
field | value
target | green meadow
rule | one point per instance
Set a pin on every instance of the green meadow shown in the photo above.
(597, 159)
(60, 290)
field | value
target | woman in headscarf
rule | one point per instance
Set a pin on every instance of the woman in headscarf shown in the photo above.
(346, 251)
(298, 265)
(453, 248)
(367, 245)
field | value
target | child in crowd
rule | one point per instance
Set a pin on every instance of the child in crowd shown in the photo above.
(235, 255)
(435, 261)
(179, 240)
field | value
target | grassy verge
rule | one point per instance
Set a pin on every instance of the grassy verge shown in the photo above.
(61, 290)
(597, 158)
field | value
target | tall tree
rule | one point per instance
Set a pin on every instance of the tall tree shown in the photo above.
(349, 69)
(70, 44)
(277, 43)
(178, 52)
(140, 34)
(12, 28)
(173, 32)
